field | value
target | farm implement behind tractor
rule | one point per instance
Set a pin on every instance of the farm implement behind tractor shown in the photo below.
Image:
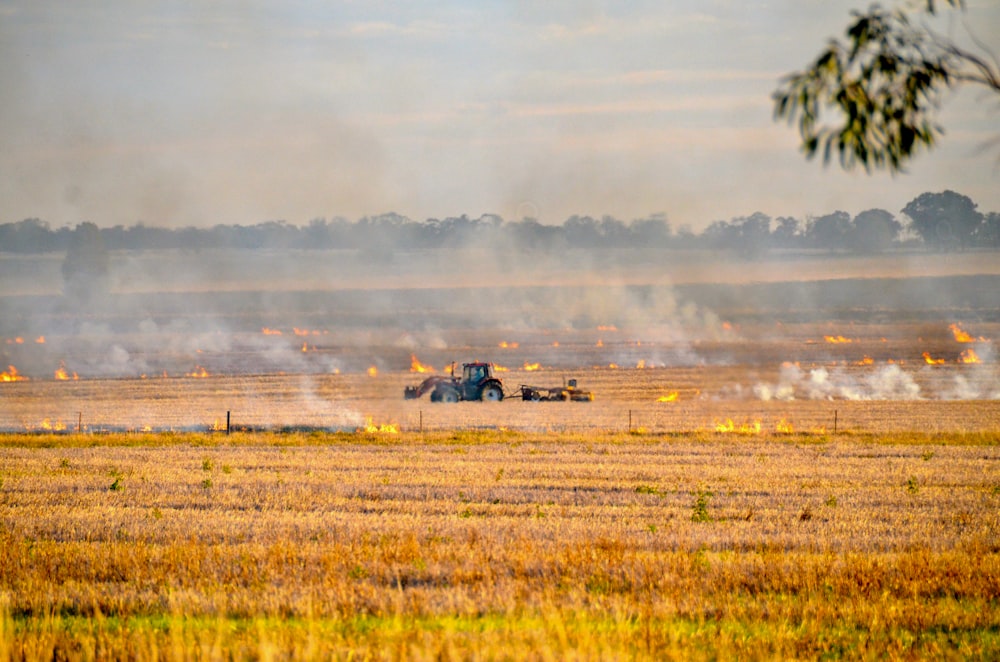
(567, 392)
(479, 382)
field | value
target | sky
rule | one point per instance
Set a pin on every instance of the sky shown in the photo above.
(191, 113)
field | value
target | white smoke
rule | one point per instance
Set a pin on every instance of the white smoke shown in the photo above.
(887, 382)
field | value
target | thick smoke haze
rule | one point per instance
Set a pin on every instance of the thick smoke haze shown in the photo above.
(227, 116)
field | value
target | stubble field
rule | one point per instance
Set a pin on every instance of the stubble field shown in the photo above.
(791, 470)
(500, 545)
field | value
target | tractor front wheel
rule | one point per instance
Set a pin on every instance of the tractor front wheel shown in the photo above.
(448, 395)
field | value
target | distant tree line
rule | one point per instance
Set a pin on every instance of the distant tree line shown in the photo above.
(944, 221)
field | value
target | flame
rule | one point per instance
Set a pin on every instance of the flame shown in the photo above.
(417, 366)
(47, 424)
(969, 356)
(608, 327)
(641, 364)
(61, 373)
(784, 427)
(600, 343)
(305, 347)
(12, 375)
(198, 371)
(270, 332)
(866, 360)
(508, 345)
(217, 426)
(930, 360)
(960, 335)
(743, 428)
(40, 340)
(500, 368)
(726, 326)
(837, 339)
(555, 343)
(384, 428)
(531, 367)
(372, 371)
(669, 397)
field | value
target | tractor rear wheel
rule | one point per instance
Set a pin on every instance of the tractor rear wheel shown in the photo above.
(492, 393)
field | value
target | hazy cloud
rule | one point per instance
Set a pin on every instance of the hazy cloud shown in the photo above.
(234, 112)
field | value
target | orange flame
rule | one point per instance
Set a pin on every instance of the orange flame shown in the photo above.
(600, 343)
(612, 366)
(417, 366)
(12, 375)
(784, 427)
(198, 371)
(384, 428)
(970, 356)
(555, 343)
(270, 332)
(930, 360)
(866, 360)
(508, 345)
(640, 364)
(607, 327)
(372, 371)
(669, 397)
(61, 373)
(960, 335)
(837, 339)
(531, 367)
(500, 368)
(743, 428)
(40, 340)
(305, 347)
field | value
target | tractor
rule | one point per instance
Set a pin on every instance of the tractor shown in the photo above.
(478, 382)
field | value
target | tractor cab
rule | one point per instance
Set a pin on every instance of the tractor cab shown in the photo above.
(474, 375)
